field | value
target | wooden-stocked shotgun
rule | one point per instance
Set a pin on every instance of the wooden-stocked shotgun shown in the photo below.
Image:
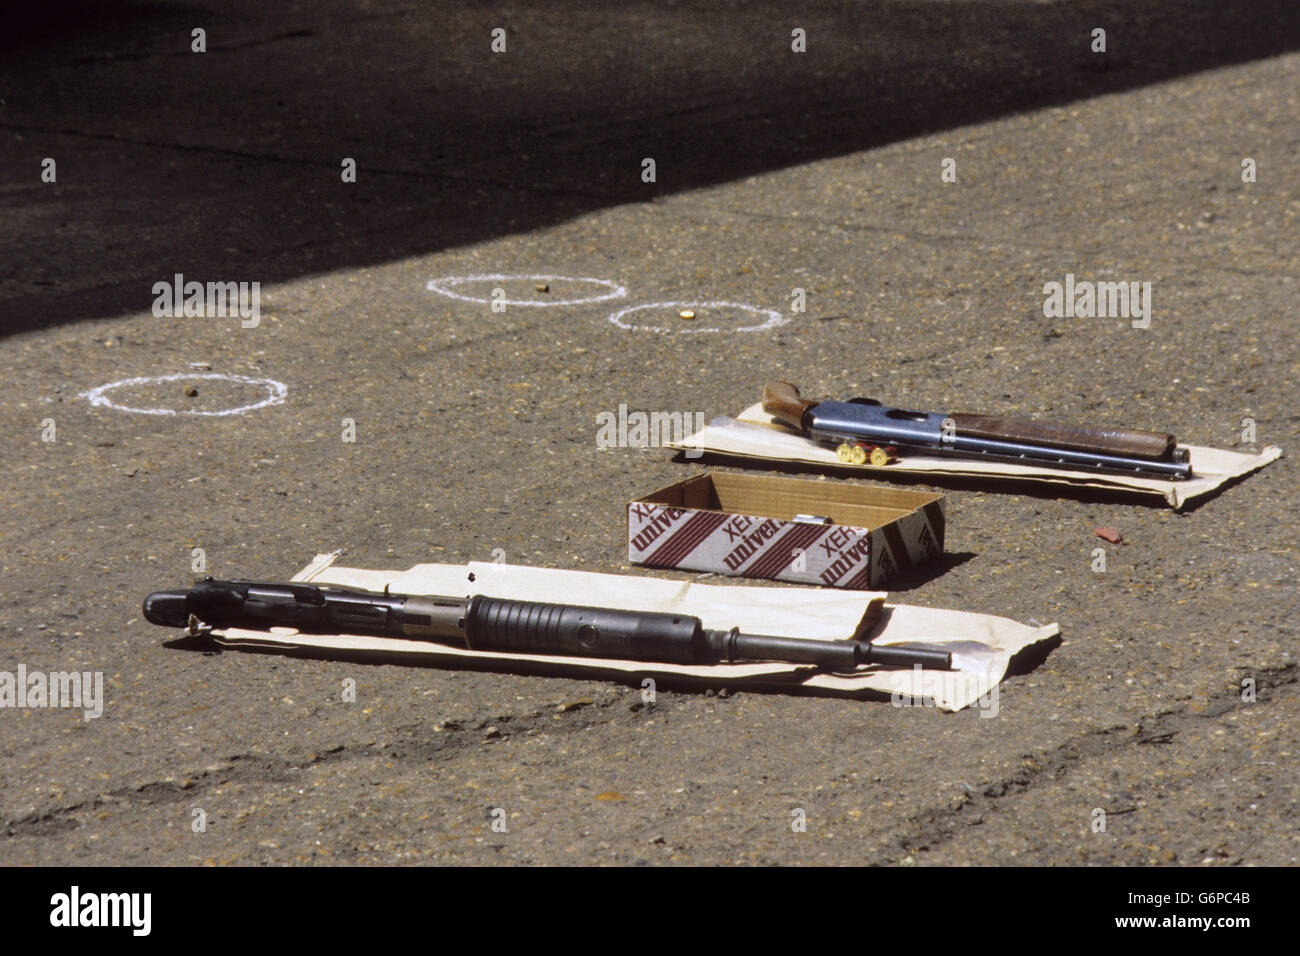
(865, 430)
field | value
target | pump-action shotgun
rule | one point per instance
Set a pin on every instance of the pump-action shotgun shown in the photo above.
(864, 429)
(527, 627)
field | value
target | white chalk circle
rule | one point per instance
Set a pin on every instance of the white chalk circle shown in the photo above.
(773, 318)
(275, 393)
(448, 284)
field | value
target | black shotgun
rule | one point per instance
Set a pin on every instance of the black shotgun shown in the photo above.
(494, 624)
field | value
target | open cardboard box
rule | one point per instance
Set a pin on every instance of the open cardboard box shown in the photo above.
(745, 526)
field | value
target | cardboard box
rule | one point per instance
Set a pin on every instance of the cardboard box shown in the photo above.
(743, 526)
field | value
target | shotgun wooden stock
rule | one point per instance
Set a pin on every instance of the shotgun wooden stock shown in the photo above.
(783, 402)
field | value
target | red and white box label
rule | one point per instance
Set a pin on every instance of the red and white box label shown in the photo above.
(830, 555)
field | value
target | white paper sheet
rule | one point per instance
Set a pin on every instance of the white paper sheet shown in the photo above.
(785, 611)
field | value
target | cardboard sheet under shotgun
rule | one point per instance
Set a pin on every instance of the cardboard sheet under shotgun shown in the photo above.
(762, 435)
(981, 645)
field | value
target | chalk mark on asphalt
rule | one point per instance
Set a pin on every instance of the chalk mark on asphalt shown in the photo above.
(774, 318)
(275, 393)
(445, 285)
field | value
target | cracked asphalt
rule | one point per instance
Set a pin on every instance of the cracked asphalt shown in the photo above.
(1171, 705)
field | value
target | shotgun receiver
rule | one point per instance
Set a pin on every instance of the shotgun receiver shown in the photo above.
(515, 627)
(863, 429)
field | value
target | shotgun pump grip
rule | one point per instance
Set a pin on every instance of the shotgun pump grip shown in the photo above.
(530, 627)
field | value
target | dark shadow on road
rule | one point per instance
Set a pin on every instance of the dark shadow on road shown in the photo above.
(929, 571)
(1032, 656)
(791, 684)
(226, 165)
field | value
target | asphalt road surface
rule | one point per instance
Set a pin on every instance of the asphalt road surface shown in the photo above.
(475, 429)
